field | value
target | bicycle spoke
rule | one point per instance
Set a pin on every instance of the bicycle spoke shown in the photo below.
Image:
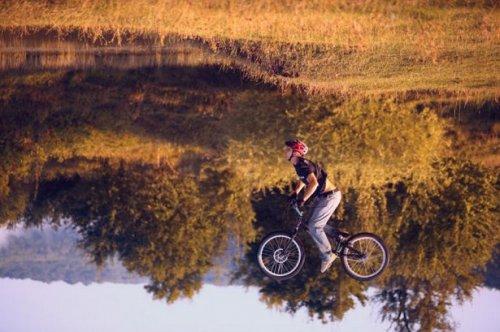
(357, 262)
(273, 258)
(268, 251)
(273, 267)
(373, 257)
(288, 265)
(275, 245)
(373, 247)
(281, 243)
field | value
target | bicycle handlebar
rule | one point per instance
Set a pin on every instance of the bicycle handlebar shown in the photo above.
(296, 209)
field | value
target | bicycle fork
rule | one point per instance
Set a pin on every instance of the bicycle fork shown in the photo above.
(296, 230)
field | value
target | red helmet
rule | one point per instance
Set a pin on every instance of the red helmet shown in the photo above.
(297, 145)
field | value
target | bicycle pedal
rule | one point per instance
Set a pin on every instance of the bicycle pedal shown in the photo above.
(343, 235)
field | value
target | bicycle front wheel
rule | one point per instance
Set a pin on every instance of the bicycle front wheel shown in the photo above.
(364, 256)
(280, 256)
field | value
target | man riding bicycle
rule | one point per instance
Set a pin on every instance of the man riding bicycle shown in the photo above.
(325, 196)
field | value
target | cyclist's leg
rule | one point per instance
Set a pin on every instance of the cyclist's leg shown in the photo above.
(323, 210)
(330, 230)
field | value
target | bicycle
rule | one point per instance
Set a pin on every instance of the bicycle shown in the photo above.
(281, 255)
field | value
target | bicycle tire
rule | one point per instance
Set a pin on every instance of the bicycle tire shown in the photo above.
(345, 259)
(299, 247)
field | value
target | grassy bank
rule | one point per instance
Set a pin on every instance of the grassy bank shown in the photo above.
(409, 48)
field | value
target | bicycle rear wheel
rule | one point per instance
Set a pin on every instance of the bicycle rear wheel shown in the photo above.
(365, 256)
(277, 263)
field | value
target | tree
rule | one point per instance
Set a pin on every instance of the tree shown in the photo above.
(440, 233)
(157, 223)
(445, 231)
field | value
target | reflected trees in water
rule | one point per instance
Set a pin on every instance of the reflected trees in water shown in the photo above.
(162, 166)
(440, 233)
(160, 225)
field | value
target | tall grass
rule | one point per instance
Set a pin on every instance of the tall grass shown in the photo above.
(343, 46)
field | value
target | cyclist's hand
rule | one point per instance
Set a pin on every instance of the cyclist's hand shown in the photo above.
(292, 198)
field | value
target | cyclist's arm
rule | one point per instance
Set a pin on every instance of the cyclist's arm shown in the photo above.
(311, 187)
(299, 185)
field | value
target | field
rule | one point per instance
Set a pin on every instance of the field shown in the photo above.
(411, 49)
(154, 130)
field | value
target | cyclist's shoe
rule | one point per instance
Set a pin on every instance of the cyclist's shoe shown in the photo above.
(326, 263)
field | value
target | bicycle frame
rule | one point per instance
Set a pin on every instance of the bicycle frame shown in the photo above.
(339, 237)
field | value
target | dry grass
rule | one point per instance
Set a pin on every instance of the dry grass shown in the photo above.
(362, 47)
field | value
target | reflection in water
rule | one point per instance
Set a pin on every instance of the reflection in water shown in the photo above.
(37, 51)
(158, 224)
(51, 255)
(161, 167)
(440, 233)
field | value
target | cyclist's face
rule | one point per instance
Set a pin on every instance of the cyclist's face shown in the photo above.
(287, 152)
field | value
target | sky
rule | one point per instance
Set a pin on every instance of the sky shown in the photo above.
(27, 305)
(6, 233)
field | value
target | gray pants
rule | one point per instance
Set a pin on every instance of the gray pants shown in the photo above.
(323, 209)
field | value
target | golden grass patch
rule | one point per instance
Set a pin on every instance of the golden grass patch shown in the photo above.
(319, 46)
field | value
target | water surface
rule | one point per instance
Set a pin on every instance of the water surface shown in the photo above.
(166, 171)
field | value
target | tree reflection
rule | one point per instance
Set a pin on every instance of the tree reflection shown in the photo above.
(160, 225)
(418, 307)
(440, 233)
(160, 167)
(447, 232)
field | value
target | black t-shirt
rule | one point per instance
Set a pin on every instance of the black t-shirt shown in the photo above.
(305, 167)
